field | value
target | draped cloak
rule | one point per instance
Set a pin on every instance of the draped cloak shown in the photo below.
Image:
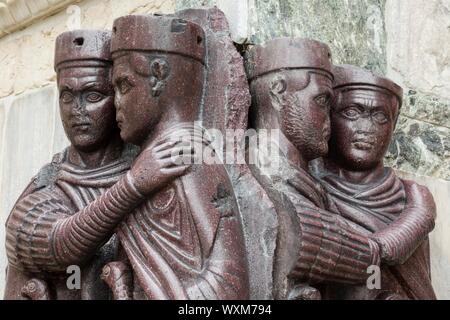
(314, 246)
(186, 241)
(371, 208)
(59, 190)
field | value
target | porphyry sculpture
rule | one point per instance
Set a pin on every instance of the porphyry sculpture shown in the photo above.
(45, 231)
(291, 84)
(184, 241)
(396, 213)
(129, 203)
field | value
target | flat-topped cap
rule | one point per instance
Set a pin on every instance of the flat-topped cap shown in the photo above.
(79, 45)
(349, 75)
(288, 53)
(161, 33)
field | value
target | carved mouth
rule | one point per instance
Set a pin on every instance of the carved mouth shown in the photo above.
(81, 125)
(365, 143)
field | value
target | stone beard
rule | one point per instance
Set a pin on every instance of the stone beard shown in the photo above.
(291, 86)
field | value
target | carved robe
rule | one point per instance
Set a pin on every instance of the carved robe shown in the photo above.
(318, 246)
(59, 190)
(186, 241)
(372, 208)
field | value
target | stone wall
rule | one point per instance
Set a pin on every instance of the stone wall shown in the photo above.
(408, 40)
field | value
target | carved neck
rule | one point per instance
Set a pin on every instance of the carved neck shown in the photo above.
(102, 156)
(287, 149)
(173, 114)
(353, 176)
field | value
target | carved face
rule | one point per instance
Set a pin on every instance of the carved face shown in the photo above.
(86, 102)
(137, 84)
(304, 112)
(362, 123)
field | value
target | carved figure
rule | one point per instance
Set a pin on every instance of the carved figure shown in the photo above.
(183, 240)
(291, 82)
(396, 213)
(46, 231)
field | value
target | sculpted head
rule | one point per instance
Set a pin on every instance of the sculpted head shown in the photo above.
(291, 86)
(158, 71)
(363, 117)
(86, 97)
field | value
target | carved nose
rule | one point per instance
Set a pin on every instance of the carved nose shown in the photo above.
(117, 99)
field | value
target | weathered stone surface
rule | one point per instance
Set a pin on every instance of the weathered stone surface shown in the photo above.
(353, 29)
(420, 147)
(358, 37)
(236, 12)
(225, 109)
(418, 44)
(440, 237)
(3, 111)
(428, 108)
(26, 56)
(20, 13)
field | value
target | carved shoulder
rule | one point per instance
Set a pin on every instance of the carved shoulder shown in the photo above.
(419, 196)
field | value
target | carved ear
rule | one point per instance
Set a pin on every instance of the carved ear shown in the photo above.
(160, 71)
(278, 86)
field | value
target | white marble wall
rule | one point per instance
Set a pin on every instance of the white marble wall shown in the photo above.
(30, 133)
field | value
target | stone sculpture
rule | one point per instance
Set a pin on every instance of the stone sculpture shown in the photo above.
(397, 214)
(184, 241)
(224, 112)
(291, 85)
(133, 203)
(45, 231)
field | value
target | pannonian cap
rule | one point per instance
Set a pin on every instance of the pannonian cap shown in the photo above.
(82, 45)
(160, 33)
(349, 75)
(288, 53)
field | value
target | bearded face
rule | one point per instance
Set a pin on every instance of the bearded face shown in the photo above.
(304, 108)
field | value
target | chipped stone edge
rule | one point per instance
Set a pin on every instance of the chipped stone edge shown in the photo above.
(8, 11)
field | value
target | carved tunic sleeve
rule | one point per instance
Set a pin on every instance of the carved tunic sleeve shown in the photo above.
(331, 250)
(402, 237)
(43, 235)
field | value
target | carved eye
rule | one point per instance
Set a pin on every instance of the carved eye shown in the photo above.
(380, 117)
(323, 100)
(94, 97)
(66, 97)
(124, 86)
(352, 113)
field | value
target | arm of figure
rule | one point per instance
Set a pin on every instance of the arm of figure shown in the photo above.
(44, 235)
(402, 237)
(331, 250)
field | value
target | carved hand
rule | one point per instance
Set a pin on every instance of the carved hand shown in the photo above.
(161, 163)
